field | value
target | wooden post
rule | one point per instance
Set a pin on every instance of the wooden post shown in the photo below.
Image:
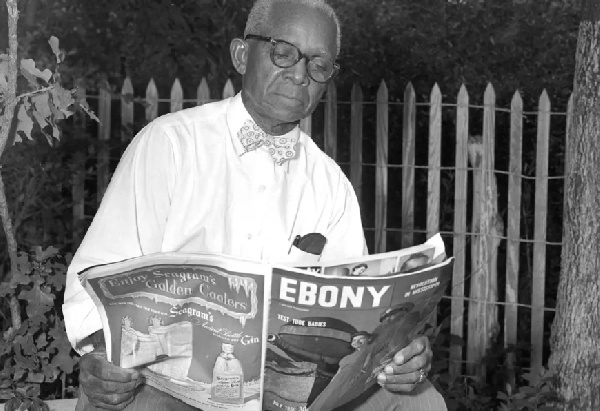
(539, 235)
(330, 142)
(306, 125)
(126, 110)
(176, 96)
(488, 227)
(513, 231)
(433, 167)
(78, 189)
(228, 90)
(202, 93)
(104, 108)
(356, 140)
(460, 228)
(151, 101)
(408, 166)
(381, 171)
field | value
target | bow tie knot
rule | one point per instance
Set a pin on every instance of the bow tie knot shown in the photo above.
(280, 148)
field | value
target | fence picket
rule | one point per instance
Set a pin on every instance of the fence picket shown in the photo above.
(306, 125)
(356, 139)
(460, 228)
(330, 139)
(381, 171)
(103, 176)
(126, 110)
(176, 96)
(151, 101)
(513, 229)
(434, 163)
(408, 165)
(539, 234)
(228, 90)
(202, 93)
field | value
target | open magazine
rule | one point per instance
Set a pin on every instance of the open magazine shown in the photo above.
(220, 332)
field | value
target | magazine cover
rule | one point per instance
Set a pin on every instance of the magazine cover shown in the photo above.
(382, 264)
(329, 337)
(192, 323)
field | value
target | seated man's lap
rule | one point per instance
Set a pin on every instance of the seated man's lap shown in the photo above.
(424, 398)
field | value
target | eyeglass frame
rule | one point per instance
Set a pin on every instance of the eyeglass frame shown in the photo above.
(301, 55)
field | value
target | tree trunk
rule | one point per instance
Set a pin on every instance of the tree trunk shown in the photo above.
(576, 330)
(5, 123)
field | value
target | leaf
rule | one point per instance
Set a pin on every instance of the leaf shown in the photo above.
(64, 361)
(60, 56)
(39, 302)
(30, 72)
(42, 255)
(35, 377)
(41, 341)
(23, 264)
(42, 110)
(62, 100)
(24, 122)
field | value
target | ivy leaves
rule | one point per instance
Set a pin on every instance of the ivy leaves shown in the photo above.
(39, 351)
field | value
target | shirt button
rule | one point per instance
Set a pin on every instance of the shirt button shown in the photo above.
(249, 236)
(261, 188)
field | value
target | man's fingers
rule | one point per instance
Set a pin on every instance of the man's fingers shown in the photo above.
(416, 347)
(100, 367)
(111, 387)
(113, 402)
(414, 365)
(400, 382)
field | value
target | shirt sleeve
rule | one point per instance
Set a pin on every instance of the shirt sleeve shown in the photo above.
(345, 235)
(129, 223)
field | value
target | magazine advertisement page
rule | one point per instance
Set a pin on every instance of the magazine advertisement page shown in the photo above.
(192, 323)
(329, 337)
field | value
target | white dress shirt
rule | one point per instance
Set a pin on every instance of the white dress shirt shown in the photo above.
(185, 184)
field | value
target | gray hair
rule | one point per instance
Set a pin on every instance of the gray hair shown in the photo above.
(259, 15)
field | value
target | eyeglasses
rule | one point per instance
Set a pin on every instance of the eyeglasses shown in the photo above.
(285, 55)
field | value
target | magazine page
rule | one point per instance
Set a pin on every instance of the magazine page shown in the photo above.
(393, 262)
(330, 336)
(194, 324)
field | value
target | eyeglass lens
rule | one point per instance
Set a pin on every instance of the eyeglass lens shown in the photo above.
(286, 55)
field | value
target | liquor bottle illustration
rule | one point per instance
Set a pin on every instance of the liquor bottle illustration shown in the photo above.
(228, 377)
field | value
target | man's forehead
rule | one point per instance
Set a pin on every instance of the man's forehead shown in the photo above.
(301, 23)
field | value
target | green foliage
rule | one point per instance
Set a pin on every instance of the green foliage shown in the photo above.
(39, 352)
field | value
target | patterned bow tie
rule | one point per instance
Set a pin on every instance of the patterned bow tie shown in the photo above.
(252, 137)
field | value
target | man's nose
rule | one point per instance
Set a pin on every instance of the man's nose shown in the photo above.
(298, 73)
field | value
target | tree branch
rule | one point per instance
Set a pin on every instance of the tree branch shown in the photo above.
(33, 93)
(9, 111)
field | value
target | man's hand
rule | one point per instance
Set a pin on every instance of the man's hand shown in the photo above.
(106, 385)
(403, 373)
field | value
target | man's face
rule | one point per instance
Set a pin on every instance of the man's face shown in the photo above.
(359, 269)
(286, 95)
(358, 341)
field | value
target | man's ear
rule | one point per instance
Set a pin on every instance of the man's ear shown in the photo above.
(239, 54)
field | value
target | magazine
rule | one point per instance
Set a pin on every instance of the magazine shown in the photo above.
(220, 332)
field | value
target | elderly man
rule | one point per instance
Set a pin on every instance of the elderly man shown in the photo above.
(235, 177)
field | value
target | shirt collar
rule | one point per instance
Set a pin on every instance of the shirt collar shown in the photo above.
(237, 116)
